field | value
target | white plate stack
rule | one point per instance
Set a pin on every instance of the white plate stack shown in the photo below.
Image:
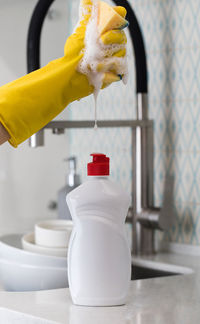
(36, 261)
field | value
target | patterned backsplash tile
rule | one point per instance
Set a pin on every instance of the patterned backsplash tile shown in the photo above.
(171, 30)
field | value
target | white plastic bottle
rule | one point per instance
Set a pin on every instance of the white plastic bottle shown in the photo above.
(99, 258)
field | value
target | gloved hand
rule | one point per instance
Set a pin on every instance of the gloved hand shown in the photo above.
(30, 102)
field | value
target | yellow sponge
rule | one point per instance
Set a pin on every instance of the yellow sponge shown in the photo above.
(111, 18)
(121, 11)
(110, 77)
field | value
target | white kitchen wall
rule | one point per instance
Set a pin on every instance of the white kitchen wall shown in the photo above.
(29, 178)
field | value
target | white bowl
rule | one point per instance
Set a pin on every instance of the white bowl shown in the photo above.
(19, 277)
(11, 249)
(28, 243)
(53, 233)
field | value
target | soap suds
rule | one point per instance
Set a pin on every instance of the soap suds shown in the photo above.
(95, 113)
(96, 52)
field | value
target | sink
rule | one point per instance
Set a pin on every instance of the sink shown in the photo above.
(138, 272)
(144, 269)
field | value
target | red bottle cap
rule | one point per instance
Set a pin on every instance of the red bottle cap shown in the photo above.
(99, 166)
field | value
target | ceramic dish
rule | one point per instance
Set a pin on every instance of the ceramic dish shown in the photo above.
(53, 233)
(28, 243)
(11, 249)
(20, 277)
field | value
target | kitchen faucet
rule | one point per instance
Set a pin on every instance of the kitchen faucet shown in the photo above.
(144, 217)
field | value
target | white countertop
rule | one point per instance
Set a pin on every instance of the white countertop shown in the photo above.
(166, 300)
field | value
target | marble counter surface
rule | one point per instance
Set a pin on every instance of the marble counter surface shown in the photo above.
(166, 300)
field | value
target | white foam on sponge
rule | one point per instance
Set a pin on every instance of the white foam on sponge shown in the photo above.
(96, 52)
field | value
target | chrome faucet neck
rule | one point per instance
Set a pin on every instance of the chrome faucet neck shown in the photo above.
(142, 106)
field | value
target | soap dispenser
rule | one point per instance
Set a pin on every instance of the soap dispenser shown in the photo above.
(99, 256)
(72, 181)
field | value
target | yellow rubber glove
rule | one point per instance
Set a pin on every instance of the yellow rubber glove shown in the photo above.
(30, 102)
